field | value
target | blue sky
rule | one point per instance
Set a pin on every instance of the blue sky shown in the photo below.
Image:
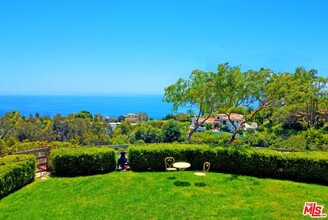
(140, 47)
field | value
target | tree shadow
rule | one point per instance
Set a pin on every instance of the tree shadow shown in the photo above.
(182, 183)
(171, 178)
(233, 177)
(200, 184)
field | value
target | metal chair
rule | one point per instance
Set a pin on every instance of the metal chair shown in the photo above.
(206, 167)
(169, 161)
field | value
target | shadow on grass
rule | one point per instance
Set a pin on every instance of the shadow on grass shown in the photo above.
(200, 184)
(182, 184)
(171, 178)
(232, 177)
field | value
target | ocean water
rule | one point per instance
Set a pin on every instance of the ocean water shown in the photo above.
(113, 106)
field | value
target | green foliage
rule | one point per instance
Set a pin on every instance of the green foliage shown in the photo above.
(15, 172)
(297, 96)
(80, 129)
(119, 139)
(171, 132)
(125, 127)
(82, 161)
(178, 117)
(83, 114)
(151, 157)
(295, 143)
(3, 147)
(308, 167)
(262, 139)
(208, 138)
(142, 116)
(27, 145)
(147, 133)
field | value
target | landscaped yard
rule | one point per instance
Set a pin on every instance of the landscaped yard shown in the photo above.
(158, 195)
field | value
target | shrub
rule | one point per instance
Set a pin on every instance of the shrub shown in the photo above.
(15, 172)
(171, 132)
(82, 161)
(147, 133)
(208, 137)
(261, 139)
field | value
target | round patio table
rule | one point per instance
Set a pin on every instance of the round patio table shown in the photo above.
(181, 165)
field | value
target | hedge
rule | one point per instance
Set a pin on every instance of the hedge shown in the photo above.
(151, 157)
(298, 166)
(15, 172)
(82, 161)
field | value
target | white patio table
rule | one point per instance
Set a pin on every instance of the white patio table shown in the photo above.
(181, 165)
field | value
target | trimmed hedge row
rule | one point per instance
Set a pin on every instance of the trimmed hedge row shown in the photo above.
(82, 161)
(299, 166)
(151, 157)
(15, 172)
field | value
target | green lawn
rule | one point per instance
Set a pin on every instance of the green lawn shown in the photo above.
(159, 195)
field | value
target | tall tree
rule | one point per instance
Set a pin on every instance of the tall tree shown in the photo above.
(261, 89)
(197, 92)
(228, 90)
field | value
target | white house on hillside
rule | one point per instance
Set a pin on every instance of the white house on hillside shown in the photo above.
(222, 121)
(132, 118)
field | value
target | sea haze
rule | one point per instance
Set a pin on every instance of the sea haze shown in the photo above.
(113, 106)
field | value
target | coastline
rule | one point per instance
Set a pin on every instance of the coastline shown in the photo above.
(106, 105)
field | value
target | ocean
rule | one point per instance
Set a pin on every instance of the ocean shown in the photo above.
(112, 106)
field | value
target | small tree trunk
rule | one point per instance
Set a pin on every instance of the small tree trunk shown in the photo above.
(233, 137)
(190, 134)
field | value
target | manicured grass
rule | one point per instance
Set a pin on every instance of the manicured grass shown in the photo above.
(160, 195)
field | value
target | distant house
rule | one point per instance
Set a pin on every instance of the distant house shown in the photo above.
(201, 122)
(109, 119)
(114, 125)
(132, 118)
(222, 121)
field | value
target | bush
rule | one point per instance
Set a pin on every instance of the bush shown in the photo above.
(15, 172)
(171, 132)
(262, 139)
(147, 133)
(208, 137)
(82, 161)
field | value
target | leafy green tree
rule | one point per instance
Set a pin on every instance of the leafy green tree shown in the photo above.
(262, 88)
(3, 147)
(183, 117)
(60, 127)
(197, 92)
(27, 130)
(8, 124)
(148, 134)
(171, 132)
(11, 142)
(121, 118)
(170, 116)
(83, 114)
(126, 127)
(228, 89)
(142, 116)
